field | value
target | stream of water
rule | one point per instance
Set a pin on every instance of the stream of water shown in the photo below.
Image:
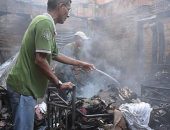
(116, 81)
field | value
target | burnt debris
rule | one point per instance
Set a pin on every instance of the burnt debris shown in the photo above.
(155, 90)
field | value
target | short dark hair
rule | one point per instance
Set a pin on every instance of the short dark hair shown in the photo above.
(51, 4)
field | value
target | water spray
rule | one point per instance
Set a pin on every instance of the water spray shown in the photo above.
(115, 80)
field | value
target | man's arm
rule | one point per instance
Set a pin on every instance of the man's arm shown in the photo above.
(68, 60)
(41, 61)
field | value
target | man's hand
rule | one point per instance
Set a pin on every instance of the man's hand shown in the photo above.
(86, 66)
(68, 60)
(67, 85)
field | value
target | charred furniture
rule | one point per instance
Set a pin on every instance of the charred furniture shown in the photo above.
(57, 106)
(65, 114)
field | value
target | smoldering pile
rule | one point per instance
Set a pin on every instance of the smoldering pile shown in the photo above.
(108, 111)
(5, 113)
(121, 109)
(155, 90)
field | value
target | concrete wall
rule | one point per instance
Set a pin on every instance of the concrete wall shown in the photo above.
(15, 15)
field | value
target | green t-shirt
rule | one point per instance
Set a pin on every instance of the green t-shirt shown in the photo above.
(26, 77)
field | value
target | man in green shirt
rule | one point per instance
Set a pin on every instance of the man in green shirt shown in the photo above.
(29, 77)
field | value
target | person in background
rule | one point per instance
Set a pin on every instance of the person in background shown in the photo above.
(75, 50)
(29, 77)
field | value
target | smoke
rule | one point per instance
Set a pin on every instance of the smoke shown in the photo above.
(114, 41)
(90, 90)
(113, 47)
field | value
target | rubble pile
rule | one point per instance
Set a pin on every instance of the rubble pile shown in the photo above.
(160, 117)
(117, 96)
(135, 114)
(95, 114)
(102, 111)
(5, 114)
(155, 90)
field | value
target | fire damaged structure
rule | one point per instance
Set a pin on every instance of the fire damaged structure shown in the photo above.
(112, 108)
(107, 110)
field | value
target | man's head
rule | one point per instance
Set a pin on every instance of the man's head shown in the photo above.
(59, 9)
(80, 37)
